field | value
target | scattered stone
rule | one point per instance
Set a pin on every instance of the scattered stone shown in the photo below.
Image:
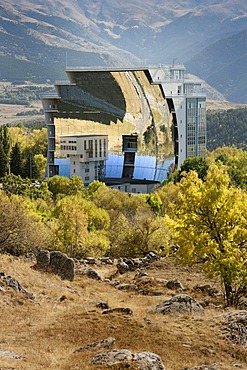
(106, 260)
(104, 343)
(179, 304)
(140, 274)
(112, 357)
(150, 293)
(206, 289)
(236, 327)
(91, 260)
(14, 284)
(122, 267)
(174, 285)
(129, 287)
(147, 321)
(161, 281)
(10, 354)
(148, 361)
(103, 305)
(141, 360)
(83, 269)
(203, 367)
(124, 310)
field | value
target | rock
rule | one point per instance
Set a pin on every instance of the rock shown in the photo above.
(124, 310)
(62, 265)
(106, 260)
(43, 259)
(150, 292)
(122, 267)
(104, 343)
(113, 357)
(206, 289)
(203, 367)
(148, 361)
(93, 274)
(174, 285)
(179, 304)
(129, 287)
(67, 271)
(10, 354)
(103, 305)
(236, 327)
(83, 269)
(56, 262)
(141, 360)
(14, 284)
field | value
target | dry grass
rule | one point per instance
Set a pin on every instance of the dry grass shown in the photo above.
(48, 331)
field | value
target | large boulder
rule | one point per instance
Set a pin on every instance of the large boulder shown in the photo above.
(182, 303)
(140, 360)
(56, 262)
(43, 259)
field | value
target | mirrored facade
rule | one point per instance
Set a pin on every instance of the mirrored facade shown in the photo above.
(146, 113)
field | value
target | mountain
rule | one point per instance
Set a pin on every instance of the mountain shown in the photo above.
(223, 65)
(38, 38)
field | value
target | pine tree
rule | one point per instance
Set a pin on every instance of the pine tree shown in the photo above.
(30, 168)
(3, 162)
(16, 160)
(5, 144)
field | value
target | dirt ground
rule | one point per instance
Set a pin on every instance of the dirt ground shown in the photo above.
(47, 331)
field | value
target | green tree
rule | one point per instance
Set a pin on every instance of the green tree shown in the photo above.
(30, 168)
(58, 186)
(75, 185)
(13, 184)
(209, 223)
(3, 162)
(197, 164)
(16, 160)
(70, 227)
(5, 140)
(20, 231)
(155, 203)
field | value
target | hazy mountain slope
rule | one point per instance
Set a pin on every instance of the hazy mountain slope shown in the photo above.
(224, 65)
(53, 33)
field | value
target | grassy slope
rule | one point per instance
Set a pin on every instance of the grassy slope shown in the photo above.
(47, 333)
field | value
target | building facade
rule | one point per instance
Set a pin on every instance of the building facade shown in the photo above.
(165, 110)
(87, 155)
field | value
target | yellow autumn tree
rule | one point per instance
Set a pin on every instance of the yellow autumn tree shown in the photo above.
(209, 223)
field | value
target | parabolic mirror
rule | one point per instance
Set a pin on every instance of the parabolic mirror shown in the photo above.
(118, 103)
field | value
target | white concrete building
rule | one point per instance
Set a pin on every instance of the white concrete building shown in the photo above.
(87, 155)
(187, 103)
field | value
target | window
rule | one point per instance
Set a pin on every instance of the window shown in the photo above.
(100, 148)
(96, 148)
(86, 178)
(86, 169)
(104, 147)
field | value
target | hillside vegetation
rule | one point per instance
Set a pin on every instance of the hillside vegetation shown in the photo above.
(227, 128)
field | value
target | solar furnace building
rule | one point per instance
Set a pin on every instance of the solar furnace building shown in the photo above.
(159, 106)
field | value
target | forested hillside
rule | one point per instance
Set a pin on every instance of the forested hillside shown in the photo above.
(227, 128)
